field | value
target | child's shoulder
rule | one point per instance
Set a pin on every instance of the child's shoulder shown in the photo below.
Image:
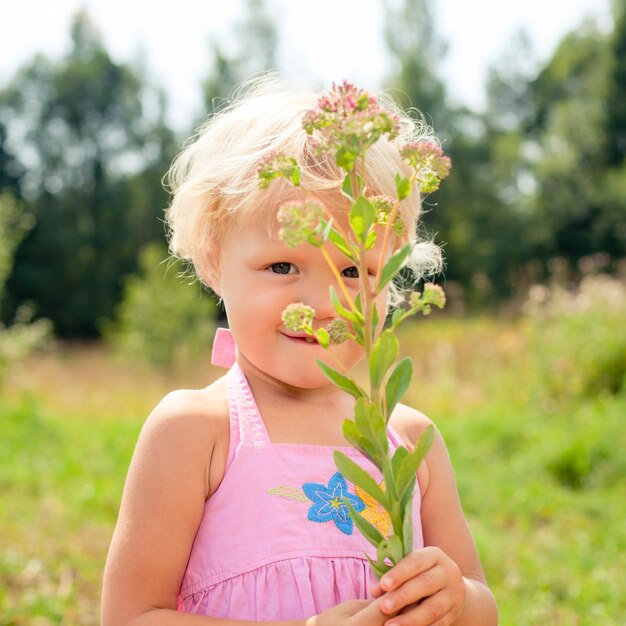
(409, 423)
(205, 408)
(193, 425)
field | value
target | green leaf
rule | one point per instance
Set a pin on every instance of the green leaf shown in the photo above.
(340, 380)
(369, 531)
(371, 423)
(346, 187)
(355, 318)
(398, 456)
(407, 528)
(408, 467)
(295, 176)
(397, 317)
(383, 354)
(359, 477)
(345, 158)
(371, 240)
(393, 265)
(362, 216)
(403, 187)
(328, 225)
(360, 442)
(390, 548)
(398, 383)
(379, 570)
(322, 337)
(340, 243)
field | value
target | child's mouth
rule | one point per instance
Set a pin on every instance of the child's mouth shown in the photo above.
(303, 339)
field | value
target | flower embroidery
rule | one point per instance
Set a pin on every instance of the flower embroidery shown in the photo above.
(328, 502)
(374, 512)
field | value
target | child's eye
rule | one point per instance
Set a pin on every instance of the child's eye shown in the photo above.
(351, 272)
(282, 268)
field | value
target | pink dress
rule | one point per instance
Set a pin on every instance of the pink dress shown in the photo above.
(275, 541)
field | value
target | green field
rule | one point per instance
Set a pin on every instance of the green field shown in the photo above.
(538, 448)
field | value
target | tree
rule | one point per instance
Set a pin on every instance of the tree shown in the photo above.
(573, 217)
(90, 135)
(418, 51)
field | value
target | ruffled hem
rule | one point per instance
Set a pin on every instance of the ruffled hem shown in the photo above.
(295, 588)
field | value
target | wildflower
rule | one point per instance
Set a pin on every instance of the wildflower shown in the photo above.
(433, 295)
(274, 165)
(348, 120)
(299, 219)
(338, 330)
(384, 205)
(298, 316)
(428, 160)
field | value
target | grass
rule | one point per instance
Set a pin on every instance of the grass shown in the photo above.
(542, 475)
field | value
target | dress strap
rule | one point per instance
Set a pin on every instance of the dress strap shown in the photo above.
(246, 423)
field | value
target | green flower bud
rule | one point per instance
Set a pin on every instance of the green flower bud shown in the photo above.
(298, 316)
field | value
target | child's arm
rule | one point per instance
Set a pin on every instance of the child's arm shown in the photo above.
(446, 577)
(178, 460)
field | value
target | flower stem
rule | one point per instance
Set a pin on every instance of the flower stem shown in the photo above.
(337, 275)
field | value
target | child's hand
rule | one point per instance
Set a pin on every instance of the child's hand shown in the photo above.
(426, 587)
(351, 613)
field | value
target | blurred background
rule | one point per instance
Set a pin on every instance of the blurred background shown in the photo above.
(524, 372)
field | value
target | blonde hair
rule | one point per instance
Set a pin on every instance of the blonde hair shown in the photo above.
(214, 180)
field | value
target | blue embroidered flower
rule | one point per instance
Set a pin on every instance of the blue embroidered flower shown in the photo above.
(328, 505)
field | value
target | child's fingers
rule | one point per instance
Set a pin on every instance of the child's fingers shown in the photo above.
(371, 615)
(376, 591)
(438, 610)
(415, 589)
(410, 566)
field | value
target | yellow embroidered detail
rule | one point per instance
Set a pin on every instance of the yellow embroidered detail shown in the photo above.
(374, 513)
(290, 493)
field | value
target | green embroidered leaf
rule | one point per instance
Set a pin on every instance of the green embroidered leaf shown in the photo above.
(383, 355)
(409, 465)
(393, 265)
(369, 531)
(398, 383)
(340, 380)
(359, 477)
(362, 216)
(361, 443)
(290, 493)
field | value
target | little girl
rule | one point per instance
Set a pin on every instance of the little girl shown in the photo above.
(233, 508)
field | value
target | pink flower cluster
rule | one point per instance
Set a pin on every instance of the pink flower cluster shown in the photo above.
(428, 160)
(274, 165)
(298, 220)
(348, 120)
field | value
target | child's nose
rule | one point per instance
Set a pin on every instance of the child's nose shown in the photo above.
(318, 297)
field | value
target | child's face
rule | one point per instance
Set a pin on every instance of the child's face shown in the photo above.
(260, 276)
